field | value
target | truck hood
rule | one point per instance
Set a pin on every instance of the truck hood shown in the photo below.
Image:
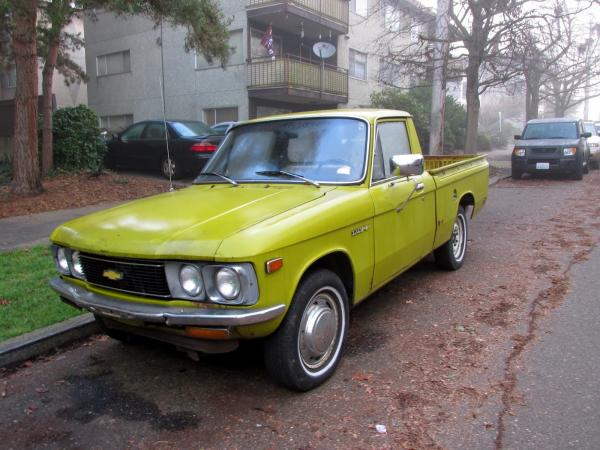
(547, 143)
(189, 223)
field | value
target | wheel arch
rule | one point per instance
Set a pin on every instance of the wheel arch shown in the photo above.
(467, 201)
(340, 263)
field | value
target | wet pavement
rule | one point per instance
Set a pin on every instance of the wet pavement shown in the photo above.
(441, 359)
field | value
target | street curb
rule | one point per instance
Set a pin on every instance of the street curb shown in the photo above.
(46, 339)
(41, 341)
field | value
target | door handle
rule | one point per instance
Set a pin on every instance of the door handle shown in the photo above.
(419, 187)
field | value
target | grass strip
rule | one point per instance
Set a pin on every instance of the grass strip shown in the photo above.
(26, 300)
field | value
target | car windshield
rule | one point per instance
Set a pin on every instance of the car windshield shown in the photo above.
(316, 150)
(551, 130)
(189, 129)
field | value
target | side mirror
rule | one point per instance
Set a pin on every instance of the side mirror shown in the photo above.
(517, 137)
(407, 165)
(587, 134)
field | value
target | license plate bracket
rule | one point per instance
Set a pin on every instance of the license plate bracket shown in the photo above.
(542, 166)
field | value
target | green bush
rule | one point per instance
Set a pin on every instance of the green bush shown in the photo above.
(417, 102)
(483, 143)
(77, 144)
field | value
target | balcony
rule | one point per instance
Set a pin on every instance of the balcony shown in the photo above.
(329, 14)
(298, 80)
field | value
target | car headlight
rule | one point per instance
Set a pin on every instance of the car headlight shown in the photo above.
(569, 151)
(228, 283)
(76, 266)
(519, 152)
(61, 259)
(190, 280)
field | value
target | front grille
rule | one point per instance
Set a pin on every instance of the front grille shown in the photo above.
(140, 277)
(543, 150)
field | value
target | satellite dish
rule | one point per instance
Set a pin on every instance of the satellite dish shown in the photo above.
(324, 50)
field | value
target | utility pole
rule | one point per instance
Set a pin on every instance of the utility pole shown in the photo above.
(438, 97)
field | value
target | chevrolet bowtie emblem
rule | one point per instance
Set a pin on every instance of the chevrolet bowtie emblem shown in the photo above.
(112, 275)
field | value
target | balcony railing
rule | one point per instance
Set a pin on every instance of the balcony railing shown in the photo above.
(293, 72)
(336, 10)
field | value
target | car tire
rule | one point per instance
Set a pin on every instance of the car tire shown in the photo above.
(586, 168)
(176, 169)
(451, 255)
(307, 347)
(515, 174)
(578, 173)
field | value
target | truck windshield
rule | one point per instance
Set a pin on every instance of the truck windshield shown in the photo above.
(551, 130)
(319, 150)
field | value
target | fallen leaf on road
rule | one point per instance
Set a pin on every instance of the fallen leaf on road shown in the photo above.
(41, 390)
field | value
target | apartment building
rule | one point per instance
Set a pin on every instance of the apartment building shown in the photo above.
(123, 61)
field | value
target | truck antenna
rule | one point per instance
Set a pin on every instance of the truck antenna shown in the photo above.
(162, 96)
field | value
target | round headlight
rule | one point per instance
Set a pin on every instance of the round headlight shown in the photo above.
(76, 265)
(190, 280)
(62, 262)
(228, 283)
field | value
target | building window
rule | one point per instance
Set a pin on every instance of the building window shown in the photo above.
(236, 57)
(358, 65)
(113, 63)
(9, 78)
(116, 123)
(391, 18)
(389, 73)
(360, 7)
(218, 115)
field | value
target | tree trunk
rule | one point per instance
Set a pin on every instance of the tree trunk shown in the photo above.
(532, 97)
(26, 170)
(472, 107)
(47, 75)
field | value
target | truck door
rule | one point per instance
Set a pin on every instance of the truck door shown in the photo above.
(404, 222)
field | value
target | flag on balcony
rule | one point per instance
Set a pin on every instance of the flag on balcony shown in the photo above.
(267, 42)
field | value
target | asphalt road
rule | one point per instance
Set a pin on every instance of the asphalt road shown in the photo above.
(501, 354)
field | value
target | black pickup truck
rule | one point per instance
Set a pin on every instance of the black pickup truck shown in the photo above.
(551, 145)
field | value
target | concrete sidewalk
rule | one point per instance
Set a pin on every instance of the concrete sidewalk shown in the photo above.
(25, 231)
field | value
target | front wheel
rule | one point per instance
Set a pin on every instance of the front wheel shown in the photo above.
(515, 174)
(306, 348)
(451, 255)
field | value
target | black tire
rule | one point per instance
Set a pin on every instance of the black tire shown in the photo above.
(295, 359)
(118, 335)
(451, 255)
(594, 165)
(515, 174)
(578, 173)
(177, 170)
(586, 168)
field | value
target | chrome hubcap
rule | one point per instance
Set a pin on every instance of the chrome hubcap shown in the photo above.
(459, 237)
(319, 329)
(168, 169)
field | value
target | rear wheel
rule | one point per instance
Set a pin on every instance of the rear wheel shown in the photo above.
(172, 168)
(451, 255)
(306, 348)
(586, 168)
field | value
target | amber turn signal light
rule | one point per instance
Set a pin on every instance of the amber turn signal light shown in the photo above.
(207, 333)
(273, 265)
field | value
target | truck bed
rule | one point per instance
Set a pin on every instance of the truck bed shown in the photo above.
(437, 165)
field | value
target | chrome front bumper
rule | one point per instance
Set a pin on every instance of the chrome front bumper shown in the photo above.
(169, 315)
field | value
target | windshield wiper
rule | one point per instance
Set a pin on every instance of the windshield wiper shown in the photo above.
(275, 173)
(220, 175)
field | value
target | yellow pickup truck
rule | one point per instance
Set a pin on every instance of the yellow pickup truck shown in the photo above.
(296, 219)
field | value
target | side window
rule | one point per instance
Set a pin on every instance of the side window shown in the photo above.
(392, 139)
(155, 131)
(134, 132)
